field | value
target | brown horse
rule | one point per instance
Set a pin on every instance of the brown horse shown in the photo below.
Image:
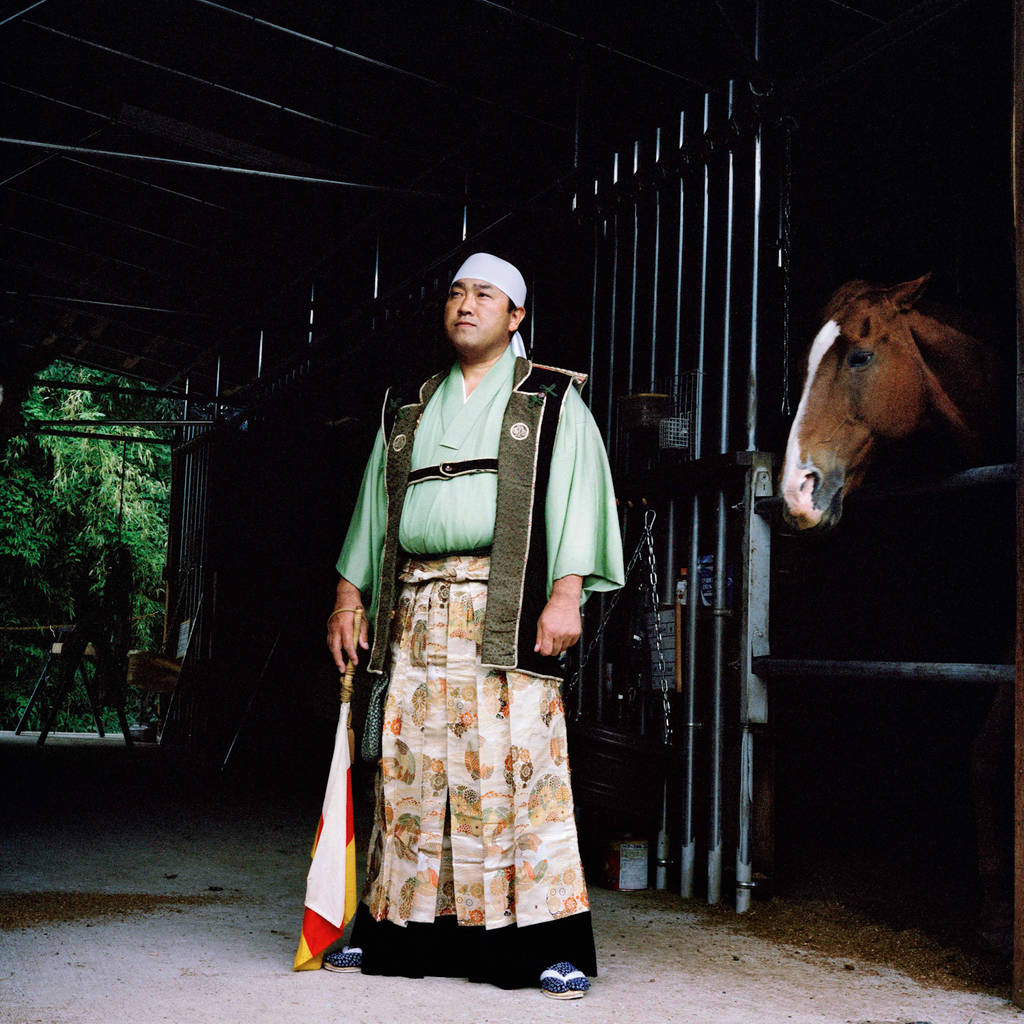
(881, 368)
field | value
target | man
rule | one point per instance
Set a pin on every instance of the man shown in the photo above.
(488, 489)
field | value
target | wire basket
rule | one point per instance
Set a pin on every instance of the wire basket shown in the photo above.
(675, 431)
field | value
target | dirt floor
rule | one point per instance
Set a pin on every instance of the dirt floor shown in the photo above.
(135, 886)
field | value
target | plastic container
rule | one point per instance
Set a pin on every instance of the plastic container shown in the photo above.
(625, 864)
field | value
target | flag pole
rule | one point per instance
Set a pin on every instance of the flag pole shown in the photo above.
(331, 883)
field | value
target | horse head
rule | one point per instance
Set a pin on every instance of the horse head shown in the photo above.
(878, 370)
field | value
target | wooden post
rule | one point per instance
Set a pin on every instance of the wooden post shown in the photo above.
(1017, 154)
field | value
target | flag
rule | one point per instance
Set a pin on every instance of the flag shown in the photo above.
(331, 883)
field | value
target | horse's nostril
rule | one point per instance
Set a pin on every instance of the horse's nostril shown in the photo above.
(811, 482)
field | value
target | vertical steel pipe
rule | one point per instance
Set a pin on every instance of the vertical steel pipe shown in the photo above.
(754, 586)
(633, 271)
(610, 408)
(376, 269)
(312, 311)
(744, 880)
(676, 366)
(689, 848)
(590, 402)
(593, 312)
(720, 609)
(755, 270)
(655, 269)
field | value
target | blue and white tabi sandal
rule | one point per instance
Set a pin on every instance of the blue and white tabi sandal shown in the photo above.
(344, 960)
(563, 981)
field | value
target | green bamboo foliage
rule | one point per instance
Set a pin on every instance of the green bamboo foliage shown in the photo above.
(63, 507)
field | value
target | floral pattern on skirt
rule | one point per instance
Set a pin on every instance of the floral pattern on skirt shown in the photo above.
(474, 811)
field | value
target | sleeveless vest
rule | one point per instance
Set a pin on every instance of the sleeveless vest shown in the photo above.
(517, 590)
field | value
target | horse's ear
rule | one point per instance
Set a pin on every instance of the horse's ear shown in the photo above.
(904, 296)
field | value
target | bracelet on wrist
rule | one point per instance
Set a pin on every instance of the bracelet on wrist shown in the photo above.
(338, 611)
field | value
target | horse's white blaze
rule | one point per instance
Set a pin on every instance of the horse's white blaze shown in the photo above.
(796, 482)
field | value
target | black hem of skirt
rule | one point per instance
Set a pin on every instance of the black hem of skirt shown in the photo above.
(509, 957)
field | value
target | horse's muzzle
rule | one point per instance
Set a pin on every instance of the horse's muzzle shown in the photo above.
(812, 500)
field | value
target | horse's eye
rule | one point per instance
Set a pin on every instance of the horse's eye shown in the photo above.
(858, 358)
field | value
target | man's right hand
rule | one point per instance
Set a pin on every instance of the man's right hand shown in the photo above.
(340, 641)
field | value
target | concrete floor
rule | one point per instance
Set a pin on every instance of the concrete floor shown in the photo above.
(136, 887)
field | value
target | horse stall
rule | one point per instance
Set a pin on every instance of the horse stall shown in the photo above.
(761, 714)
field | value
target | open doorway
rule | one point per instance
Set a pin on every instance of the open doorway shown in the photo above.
(84, 508)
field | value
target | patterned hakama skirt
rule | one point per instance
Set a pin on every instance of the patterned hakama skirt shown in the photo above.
(474, 839)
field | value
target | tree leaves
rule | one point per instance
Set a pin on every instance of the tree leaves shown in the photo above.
(64, 503)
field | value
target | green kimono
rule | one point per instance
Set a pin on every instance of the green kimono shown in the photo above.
(441, 516)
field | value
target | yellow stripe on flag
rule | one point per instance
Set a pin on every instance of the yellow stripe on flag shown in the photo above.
(333, 871)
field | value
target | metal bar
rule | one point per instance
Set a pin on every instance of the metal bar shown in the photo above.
(279, 108)
(979, 476)
(1017, 126)
(104, 219)
(857, 10)
(88, 136)
(720, 609)
(61, 103)
(744, 867)
(373, 61)
(755, 260)
(251, 172)
(896, 671)
(86, 252)
(676, 368)
(633, 276)
(38, 297)
(118, 423)
(521, 15)
(103, 437)
(754, 594)
(755, 588)
(724, 409)
(688, 856)
(656, 267)
(152, 185)
(14, 17)
(689, 851)
(865, 49)
(43, 676)
(593, 312)
(251, 703)
(399, 288)
(376, 269)
(609, 413)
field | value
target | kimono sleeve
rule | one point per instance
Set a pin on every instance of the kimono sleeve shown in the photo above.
(359, 561)
(582, 522)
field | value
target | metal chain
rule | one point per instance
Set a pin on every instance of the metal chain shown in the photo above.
(647, 536)
(652, 575)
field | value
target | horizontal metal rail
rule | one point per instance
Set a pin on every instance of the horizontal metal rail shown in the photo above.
(980, 476)
(104, 437)
(117, 389)
(34, 424)
(900, 671)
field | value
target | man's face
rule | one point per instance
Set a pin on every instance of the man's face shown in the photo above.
(477, 319)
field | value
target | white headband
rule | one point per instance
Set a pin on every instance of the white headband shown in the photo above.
(502, 274)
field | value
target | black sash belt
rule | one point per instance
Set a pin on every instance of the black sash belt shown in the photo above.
(446, 470)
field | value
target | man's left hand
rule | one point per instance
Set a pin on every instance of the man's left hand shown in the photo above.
(559, 625)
